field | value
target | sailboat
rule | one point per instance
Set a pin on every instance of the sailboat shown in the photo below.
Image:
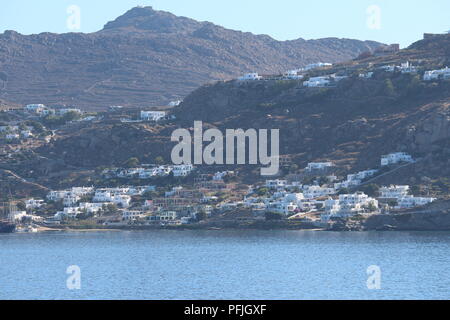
(7, 224)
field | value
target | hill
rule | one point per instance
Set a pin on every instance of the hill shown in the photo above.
(147, 57)
(351, 124)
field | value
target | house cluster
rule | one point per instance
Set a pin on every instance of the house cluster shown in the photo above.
(323, 81)
(355, 179)
(181, 205)
(16, 132)
(43, 111)
(89, 200)
(396, 157)
(151, 171)
(153, 115)
(405, 67)
(431, 75)
(294, 74)
(323, 197)
(400, 195)
(289, 198)
(348, 205)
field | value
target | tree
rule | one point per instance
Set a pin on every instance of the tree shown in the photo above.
(343, 191)
(21, 206)
(131, 162)
(370, 189)
(110, 209)
(201, 215)
(273, 216)
(262, 191)
(389, 89)
(293, 168)
(159, 160)
(70, 116)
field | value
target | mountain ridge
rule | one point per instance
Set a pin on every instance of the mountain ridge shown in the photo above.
(147, 57)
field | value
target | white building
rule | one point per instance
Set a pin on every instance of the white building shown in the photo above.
(388, 68)
(12, 136)
(396, 157)
(411, 201)
(437, 74)
(34, 203)
(394, 192)
(292, 75)
(36, 108)
(348, 205)
(152, 115)
(312, 66)
(182, 170)
(366, 75)
(317, 82)
(312, 166)
(26, 134)
(282, 207)
(407, 68)
(175, 103)
(356, 178)
(250, 77)
(276, 184)
(63, 111)
(132, 215)
(312, 192)
(71, 199)
(56, 195)
(220, 175)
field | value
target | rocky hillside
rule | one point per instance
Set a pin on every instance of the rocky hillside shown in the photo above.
(147, 57)
(352, 124)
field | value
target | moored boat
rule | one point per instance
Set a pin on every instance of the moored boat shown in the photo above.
(7, 227)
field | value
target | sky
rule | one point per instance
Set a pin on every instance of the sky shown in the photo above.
(387, 21)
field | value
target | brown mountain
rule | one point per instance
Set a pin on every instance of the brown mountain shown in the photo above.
(352, 124)
(147, 57)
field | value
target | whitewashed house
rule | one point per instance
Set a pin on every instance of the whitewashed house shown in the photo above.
(292, 75)
(128, 215)
(437, 74)
(152, 115)
(313, 166)
(407, 68)
(348, 205)
(276, 184)
(388, 68)
(71, 199)
(34, 203)
(317, 82)
(36, 108)
(63, 111)
(12, 136)
(121, 200)
(56, 195)
(250, 77)
(394, 191)
(312, 191)
(282, 207)
(26, 134)
(175, 103)
(182, 170)
(396, 157)
(410, 201)
(317, 65)
(366, 75)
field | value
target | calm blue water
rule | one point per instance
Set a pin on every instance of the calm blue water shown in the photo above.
(225, 265)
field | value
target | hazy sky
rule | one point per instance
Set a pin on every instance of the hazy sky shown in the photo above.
(389, 21)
